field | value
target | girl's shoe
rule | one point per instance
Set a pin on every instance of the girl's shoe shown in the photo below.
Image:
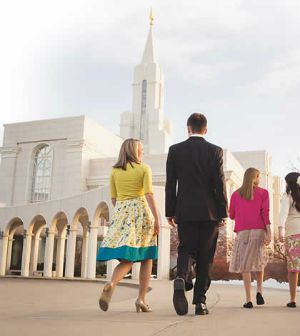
(105, 297)
(291, 305)
(248, 305)
(259, 299)
(141, 306)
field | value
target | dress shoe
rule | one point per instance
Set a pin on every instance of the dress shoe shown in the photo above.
(259, 299)
(142, 306)
(201, 309)
(188, 286)
(291, 305)
(179, 300)
(248, 305)
(105, 297)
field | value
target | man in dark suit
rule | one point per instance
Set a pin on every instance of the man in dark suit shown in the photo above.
(196, 201)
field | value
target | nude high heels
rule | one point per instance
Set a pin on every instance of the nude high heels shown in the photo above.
(105, 297)
(141, 306)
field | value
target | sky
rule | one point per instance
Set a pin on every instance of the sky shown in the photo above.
(236, 61)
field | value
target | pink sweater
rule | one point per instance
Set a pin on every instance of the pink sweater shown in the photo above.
(250, 214)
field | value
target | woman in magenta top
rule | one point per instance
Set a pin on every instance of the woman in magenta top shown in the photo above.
(249, 207)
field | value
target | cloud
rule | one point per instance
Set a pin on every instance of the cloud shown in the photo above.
(235, 59)
(282, 76)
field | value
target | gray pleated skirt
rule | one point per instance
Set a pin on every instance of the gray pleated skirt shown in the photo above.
(249, 252)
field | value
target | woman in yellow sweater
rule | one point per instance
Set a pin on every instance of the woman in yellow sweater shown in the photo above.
(132, 234)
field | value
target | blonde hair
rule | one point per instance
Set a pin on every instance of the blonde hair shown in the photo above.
(128, 153)
(246, 190)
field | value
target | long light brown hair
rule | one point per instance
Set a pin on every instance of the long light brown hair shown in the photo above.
(128, 154)
(246, 190)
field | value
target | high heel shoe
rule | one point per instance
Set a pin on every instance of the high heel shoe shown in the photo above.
(105, 297)
(141, 306)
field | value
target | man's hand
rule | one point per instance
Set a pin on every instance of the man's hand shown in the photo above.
(222, 222)
(268, 235)
(171, 221)
(156, 227)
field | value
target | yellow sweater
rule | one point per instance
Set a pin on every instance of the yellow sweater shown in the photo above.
(131, 183)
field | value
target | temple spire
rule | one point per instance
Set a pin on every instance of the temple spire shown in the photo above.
(148, 56)
(151, 17)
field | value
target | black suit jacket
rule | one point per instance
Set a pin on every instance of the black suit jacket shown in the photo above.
(195, 186)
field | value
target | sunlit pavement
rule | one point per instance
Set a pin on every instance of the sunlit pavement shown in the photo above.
(48, 307)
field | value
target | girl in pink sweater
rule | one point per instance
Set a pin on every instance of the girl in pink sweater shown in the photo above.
(249, 207)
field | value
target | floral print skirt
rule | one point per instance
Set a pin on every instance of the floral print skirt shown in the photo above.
(292, 248)
(130, 235)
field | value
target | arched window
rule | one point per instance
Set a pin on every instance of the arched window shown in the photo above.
(41, 179)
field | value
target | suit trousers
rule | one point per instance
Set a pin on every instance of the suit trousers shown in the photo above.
(197, 240)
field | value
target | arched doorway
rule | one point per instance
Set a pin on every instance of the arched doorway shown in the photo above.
(102, 220)
(15, 232)
(77, 245)
(55, 255)
(37, 229)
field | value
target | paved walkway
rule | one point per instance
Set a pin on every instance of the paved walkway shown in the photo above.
(41, 307)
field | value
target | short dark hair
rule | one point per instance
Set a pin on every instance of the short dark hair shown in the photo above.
(197, 122)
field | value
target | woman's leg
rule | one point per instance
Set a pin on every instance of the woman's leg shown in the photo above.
(259, 281)
(293, 282)
(120, 271)
(145, 273)
(247, 285)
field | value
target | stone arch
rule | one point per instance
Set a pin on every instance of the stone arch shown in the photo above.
(101, 219)
(59, 222)
(102, 211)
(37, 230)
(13, 255)
(78, 247)
(81, 215)
(55, 254)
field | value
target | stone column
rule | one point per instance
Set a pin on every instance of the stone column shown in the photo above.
(92, 252)
(135, 272)
(84, 259)
(49, 253)
(70, 260)
(3, 253)
(60, 256)
(163, 262)
(9, 252)
(26, 253)
(35, 255)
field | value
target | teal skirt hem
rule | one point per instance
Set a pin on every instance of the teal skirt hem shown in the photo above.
(125, 252)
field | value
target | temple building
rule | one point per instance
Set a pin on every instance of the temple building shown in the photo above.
(54, 198)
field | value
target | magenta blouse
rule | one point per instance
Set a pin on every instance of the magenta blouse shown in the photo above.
(250, 214)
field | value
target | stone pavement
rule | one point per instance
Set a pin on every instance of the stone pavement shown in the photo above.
(58, 307)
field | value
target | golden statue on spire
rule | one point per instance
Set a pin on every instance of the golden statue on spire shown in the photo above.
(151, 17)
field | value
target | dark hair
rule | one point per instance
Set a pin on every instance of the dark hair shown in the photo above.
(197, 122)
(293, 188)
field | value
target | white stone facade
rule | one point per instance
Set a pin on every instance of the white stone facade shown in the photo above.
(74, 141)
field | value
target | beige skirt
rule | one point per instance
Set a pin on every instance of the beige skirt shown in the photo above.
(249, 252)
